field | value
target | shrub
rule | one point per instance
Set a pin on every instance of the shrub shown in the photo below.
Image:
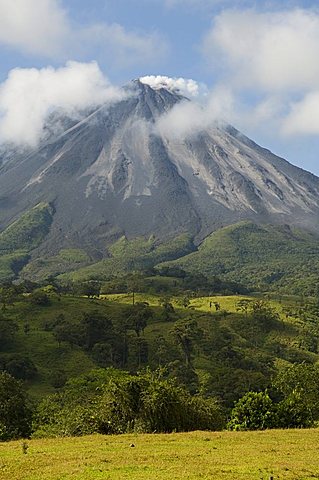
(15, 415)
(254, 411)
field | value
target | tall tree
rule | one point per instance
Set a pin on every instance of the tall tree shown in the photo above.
(186, 334)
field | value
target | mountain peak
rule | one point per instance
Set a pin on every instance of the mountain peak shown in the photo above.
(181, 86)
(130, 179)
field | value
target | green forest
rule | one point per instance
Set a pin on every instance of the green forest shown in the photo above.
(147, 354)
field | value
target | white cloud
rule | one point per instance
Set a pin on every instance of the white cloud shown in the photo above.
(28, 95)
(193, 3)
(189, 118)
(183, 86)
(199, 3)
(270, 51)
(33, 26)
(303, 117)
(43, 27)
(269, 59)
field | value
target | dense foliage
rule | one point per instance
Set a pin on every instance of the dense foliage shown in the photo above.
(15, 415)
(295, 402)
(112, 402)
(263, 257)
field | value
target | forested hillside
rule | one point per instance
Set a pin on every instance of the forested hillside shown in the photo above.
(216, 347)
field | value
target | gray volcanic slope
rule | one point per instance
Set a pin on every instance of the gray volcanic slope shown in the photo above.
(110, 174)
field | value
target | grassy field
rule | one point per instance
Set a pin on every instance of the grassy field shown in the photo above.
(204, 304)
(289, 454)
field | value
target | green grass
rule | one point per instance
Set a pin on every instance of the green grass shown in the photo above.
(41, 346)
(289, 455)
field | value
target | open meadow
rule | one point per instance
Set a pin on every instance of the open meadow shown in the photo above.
(277, 454)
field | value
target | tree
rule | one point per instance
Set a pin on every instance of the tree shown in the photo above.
(265, 315)
(20, 367)
(7, 331)
(244, 305)
(254, 411)
(138, 316)
(95, 328)
(39, 297)
(168, 313)
(91, 289)
(15, 415)
(8, 294)
(162, 350)
(298, 386)
(138, 351)
(103, 354)
(186, 333)
(67, 332)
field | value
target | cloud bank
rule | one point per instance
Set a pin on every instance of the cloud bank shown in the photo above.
(272, 56)
(43, 28)
(29, 95)
(270, 51)
(267, 71)
(33, 26)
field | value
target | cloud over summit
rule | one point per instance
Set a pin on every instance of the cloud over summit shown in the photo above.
(183, 86)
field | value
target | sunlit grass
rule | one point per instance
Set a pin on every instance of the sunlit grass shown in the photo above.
(290, 455)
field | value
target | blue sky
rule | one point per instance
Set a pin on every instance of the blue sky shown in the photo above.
(260, 58)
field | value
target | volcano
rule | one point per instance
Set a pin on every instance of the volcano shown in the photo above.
(111, 173)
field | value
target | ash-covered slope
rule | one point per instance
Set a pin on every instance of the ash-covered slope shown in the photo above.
(111, 174)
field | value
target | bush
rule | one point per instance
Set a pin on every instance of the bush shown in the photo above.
(19, 367)
(254, 411)
(15, 415)
(298, 386)
(39, 297)
(293, 412)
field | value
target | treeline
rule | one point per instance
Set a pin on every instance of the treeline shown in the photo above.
(167, 280)
(111, 401)
(107, 402)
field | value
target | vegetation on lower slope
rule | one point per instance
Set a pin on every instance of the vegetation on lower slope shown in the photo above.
(262, 257)
(67, 260)
(22, 236)
(257, 257)
(139, 254)
(11, 264)
(28, 231)
(198, 455)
